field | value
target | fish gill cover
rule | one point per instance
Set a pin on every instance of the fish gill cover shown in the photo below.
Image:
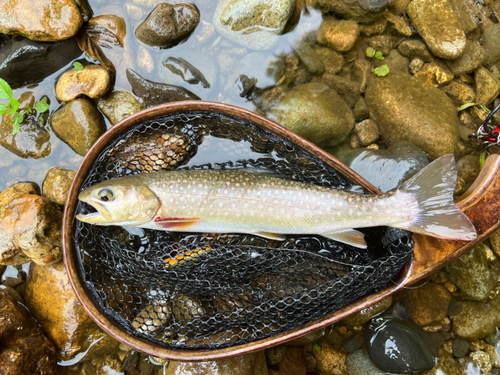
(208, 291)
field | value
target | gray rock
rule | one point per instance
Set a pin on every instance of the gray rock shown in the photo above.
(119, 105)
(154, 93)
(360, 363)
(487, 86)
(415, 48)
(472, 274)
(386, 169)
(168, 25)
(460, 347)
(491, 44)
(440, 26)
(407, 109)
(316, 113)
(79, 124)
(252, 23)
(474, 56)
(26, 62)
(397, 345)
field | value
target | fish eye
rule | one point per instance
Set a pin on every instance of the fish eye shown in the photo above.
(105, 195)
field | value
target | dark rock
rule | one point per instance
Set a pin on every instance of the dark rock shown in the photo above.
(275, 354)
(460, 347)
(26, 62)
(415, 48)
(155, 93)
(186, 71)
(397, 345)
(24, 350)
(79, 124)
(386, 169)
(359, 363)
(293, 362)
(354, 342)
(168, 25)
(427, 304)
(362, 316)
(85, 9)
(364, 11)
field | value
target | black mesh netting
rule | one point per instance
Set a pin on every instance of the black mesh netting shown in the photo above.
(207, 291)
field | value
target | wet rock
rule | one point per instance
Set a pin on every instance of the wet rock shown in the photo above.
(487, 86)
(472, 58)
(32, 140)
(248, 364)
(361, 73)
(460, 93)
(63, 319)
(468, 168)
(494, 238)
(186, 71)
(440, 26)
(460, 347)
(397, 345)
(472, 274)
(364, 11)
(85, 9)
(386, 169)
(316, 113)
(360, 363)
(427, 304)
(30, 230)
(428, 117)
(307, 339)
(119, 105)
(57, 183)
(374, 28)
(16, 191)
(415, 65)
(382, 43)
(415, 48)
(367, 132)
(154, 93)
(447, 365)
(109, 24)
(364, 315)
(398, 23)
(24, 350)
(93, 81)
(491, 44)
(252, 23)
(26, 62)
(293, 362)
(330, 360)
(477, 319)
(348, 89)
(435, 73)
(49, 20)
(361, 110)
(168, 25)
(310, 58)
(275, 354)
(397, 62)
(79, 124)
(339, 35)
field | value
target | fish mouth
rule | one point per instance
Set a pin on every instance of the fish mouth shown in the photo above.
(100, 216)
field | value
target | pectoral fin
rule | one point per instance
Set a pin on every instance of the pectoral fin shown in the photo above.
(271, 236)
(176, 223)
(351, 237)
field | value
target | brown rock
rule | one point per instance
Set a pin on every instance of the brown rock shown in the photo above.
(113, 24)
(63, 319)
(24, 350)
(30, 230)
(79, 124)
(331, 361)
(427, 304)
(119, 105)
(16, 191)
(41, 20)
(435, 73)
(293, 362)
(57, 183)
(307, 339)
(414, 48)
(460, 93)
(472, 58)
(487, 86)
(367, 132)
(93, 81)
(339, 35)
(399, 23)
(362, 316)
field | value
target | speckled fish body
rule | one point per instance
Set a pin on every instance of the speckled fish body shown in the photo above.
(262, 204)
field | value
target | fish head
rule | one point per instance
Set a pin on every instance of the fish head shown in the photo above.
(119, 202)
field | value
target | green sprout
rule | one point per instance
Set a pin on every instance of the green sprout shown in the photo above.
(379, 55)
(77, 66)
(381, 71)
(317, 347)
(12, 107)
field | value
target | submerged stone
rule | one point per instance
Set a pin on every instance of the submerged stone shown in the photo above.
(57, 183)
(119, 105)
(397, 345)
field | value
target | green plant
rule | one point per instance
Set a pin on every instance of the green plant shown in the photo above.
(12, 107)
(77, 66)
(381, 71)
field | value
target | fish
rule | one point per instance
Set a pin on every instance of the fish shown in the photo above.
(270, 206)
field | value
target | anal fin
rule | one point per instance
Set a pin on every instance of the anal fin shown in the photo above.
(351, 237)
(176, 223)
(271, 236)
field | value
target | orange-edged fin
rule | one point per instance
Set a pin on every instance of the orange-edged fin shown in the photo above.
(271, 236)
(351, 237)
(176, 223)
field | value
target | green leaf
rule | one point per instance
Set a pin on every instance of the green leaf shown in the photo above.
(465, 106)
(41, 120)
(487, 110)
(27, 110)
(379, 55)
(482, 158)
(317, 347)
(16, 120)
(370, 52)
(5, 90)
(77, 66)
(3, 108)
(13, 106)
(41, 107)
(381, 71)
(216, 42)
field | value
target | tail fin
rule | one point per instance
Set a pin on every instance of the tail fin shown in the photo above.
(439, 216)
